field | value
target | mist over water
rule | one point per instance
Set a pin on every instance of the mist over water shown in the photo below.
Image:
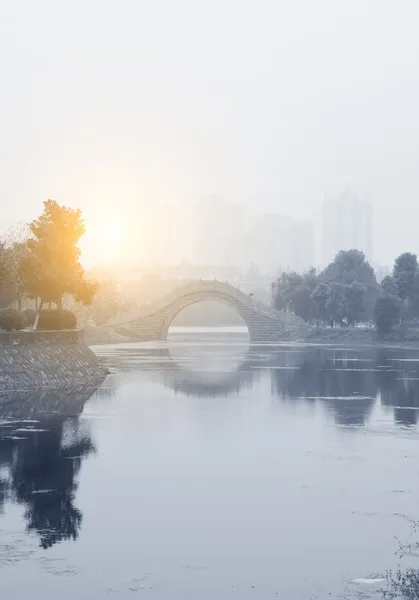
(206, 467)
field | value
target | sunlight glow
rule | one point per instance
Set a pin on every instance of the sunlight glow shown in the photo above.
(103, 241)
(111, 233)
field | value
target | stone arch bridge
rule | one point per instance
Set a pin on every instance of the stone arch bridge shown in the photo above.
(152, 322)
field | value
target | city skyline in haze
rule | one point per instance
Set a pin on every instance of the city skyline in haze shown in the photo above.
(284, 102)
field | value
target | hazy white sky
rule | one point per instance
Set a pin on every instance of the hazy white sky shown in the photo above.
(131, 105)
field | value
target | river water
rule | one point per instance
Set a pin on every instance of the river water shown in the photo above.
(206, 469)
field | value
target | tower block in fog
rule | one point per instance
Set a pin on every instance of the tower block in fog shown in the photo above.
(346, 225)
(152, 322)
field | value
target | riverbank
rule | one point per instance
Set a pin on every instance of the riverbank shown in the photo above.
(353, 336)
(360, 335)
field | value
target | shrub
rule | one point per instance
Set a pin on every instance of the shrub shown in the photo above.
(57, 319)
(12, 319)
(402, 584)
(30, 315)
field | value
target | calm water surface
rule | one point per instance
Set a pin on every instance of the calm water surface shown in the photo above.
(205, 469)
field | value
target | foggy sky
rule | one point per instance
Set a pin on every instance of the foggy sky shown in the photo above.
(139, 104)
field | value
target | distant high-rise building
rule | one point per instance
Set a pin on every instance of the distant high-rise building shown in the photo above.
(276, 242)
(346, 224)
(218, 229)
(303, 252)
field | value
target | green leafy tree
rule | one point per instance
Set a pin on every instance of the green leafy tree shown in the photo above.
(404, 272)
(355, 295)
(335, 304)
(387, 313)
(51, 268)
(320, 296)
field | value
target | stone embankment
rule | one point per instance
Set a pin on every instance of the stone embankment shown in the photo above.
(35, 359)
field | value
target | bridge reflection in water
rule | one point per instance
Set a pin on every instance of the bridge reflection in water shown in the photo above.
(347, 382)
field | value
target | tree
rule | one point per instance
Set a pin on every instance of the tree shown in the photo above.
(285, 289)
(387, 313)
(106, 303)
(292, 292)
(320, 296)
(413, 308)
(355, 295)
(349, 266)
(51, 267)
(6, 295)
(388, 286)
(13, 247)
(303, 305)
(335, 304)
(404, 271)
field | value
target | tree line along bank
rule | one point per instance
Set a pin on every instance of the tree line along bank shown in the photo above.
(346, 293)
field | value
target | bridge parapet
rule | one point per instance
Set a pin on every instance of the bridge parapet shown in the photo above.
(153, 321)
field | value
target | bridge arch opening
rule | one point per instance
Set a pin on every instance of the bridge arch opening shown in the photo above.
(209, 318)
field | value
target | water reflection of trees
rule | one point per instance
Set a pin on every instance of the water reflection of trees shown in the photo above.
(40, 461)
(398, 383)
(349, 381)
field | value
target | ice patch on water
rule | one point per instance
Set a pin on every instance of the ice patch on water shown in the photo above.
(29, 429)
(368, 581)
(354, 397)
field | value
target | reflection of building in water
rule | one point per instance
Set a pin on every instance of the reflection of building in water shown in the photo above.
(40, 467)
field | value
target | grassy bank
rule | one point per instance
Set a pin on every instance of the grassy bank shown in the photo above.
(361, 335)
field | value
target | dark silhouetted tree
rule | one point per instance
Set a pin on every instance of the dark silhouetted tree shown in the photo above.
(347, 267)
(387, 313)
(292, 292)
(388, 286)
(335, 304)
(320, 295)
(355, 296)
(404, 272)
